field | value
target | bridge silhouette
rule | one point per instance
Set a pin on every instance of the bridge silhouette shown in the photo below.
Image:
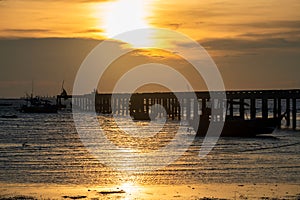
(263, 103)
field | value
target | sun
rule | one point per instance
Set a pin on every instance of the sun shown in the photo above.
(124, 15)
(117, 17)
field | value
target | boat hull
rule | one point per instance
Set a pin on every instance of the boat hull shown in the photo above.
(143, 116)
(235, 127)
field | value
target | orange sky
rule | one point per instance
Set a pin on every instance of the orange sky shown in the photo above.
(254, 43)
(96, 18)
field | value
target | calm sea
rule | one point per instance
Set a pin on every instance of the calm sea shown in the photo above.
(46, 148)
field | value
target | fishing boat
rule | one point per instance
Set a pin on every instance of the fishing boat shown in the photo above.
(38, 105)
(236, 126)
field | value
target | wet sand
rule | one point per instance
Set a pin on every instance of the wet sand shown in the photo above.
(153, 192)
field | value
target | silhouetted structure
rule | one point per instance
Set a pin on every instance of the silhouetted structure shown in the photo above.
(263, 103)
(38, 105)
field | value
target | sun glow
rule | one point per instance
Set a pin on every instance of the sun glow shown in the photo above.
(116, 17)
(124, 15)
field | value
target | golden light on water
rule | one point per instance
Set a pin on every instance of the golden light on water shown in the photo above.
(117, 17)
(129, 187)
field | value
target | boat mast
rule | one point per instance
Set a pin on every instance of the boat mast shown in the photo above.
(32, 89)
(62, 86)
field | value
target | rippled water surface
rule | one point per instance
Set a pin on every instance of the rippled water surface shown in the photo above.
(46, 148)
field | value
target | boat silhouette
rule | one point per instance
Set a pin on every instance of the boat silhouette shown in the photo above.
(38, 105)
(235, 126)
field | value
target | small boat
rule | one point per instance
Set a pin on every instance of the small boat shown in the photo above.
(38, 105)
(236, 126)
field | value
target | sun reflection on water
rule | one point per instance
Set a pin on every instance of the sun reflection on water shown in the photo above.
(129, 187)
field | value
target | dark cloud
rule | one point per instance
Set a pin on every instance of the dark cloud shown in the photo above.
(92, 31)
(198, 11)
(48, 61)
(255, 63)
(260, 35)
(27, 30)
(291, 24)
(93, 1)
(174, 26)
(242, 44)
(283, 34)
(75, 1)
(276, 27)
(42, 60)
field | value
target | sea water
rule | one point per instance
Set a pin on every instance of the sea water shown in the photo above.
(47, 149)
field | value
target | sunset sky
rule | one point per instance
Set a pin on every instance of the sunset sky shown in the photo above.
(255, 44)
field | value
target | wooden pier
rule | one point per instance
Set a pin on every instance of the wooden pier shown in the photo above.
(262, 103)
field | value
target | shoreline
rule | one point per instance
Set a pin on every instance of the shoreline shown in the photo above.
(130, 191)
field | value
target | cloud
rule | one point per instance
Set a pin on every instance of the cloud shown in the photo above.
(174, 26)
(48, 61)
(27, 30)
(242, 44)
(282, 34)
(74, 1)
(292, 35)
(92, 31)
(288, 28)
(44, 59)
(290, 24)
(93, 1)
